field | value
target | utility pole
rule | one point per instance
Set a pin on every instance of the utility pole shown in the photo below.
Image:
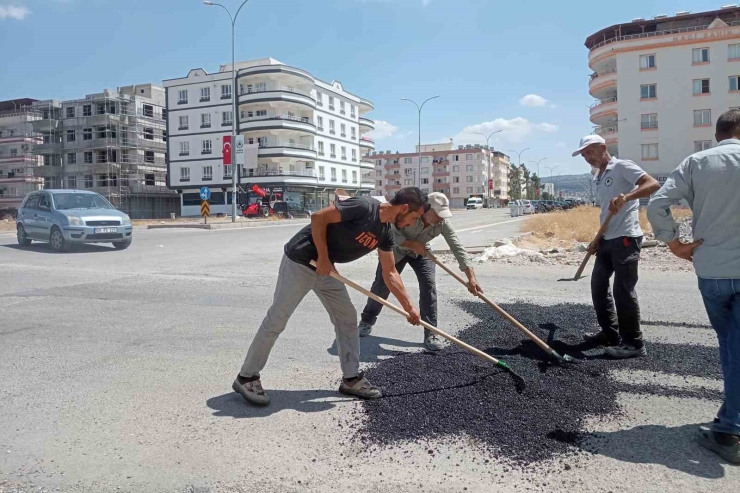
(490, 151)
(419, 108)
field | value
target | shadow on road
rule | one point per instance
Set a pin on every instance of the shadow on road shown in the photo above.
(371, 350)
(305, 401)
(672, 447)
(46, 249)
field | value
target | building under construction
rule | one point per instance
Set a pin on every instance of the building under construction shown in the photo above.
(18, 161)
(113, 143)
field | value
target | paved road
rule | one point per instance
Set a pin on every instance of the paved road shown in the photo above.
(115, 371)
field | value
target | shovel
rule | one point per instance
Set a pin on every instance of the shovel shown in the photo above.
(599, 235)
(519, 381)
(550, 351)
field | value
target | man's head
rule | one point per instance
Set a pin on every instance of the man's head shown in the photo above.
(408, 204)
(593, 150)
(728, 126)
(437, 208)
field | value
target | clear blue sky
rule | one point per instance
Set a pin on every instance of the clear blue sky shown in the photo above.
(481, 56)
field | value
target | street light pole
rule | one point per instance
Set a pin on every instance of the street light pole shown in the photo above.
(519, 153)
(488, 183)
(419, 108)
(539, 175)
(553, 183)
(234, 117)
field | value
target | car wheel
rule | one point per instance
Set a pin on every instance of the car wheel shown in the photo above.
(57, 241)
(122, 245)
(23, 240)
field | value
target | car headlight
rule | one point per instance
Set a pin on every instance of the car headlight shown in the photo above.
(75, 221)
(126, 221)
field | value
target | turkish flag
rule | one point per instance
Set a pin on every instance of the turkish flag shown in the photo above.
(227, 149)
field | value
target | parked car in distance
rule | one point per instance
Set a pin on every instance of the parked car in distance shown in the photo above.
(528, 207)
(474, 203)
(67, 217)
(290, 209)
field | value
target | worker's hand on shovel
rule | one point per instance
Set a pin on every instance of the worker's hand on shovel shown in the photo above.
(593, 247)
(324, 266)
(684, 250)
(414, 318)
(416, 247)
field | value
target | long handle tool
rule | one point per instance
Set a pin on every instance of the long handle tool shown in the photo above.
(519, 381)
(599, 235)
(547, 349)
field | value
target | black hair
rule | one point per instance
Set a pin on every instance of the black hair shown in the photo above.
(728, 124)
(411, 196)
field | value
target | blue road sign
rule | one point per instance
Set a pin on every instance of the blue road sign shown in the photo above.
(205, 193)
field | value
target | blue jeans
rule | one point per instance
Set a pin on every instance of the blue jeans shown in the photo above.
(722, 300)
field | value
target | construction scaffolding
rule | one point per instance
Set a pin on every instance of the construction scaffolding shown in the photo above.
(17, 159)
(113, 143)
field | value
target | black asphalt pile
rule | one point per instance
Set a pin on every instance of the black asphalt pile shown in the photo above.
(456, 394)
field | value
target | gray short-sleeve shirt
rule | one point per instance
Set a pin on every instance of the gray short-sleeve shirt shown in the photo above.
(620, 176)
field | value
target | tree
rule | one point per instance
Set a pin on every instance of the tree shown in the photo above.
(547, 196)
(527, 181)
(515, 187)
(532, 191)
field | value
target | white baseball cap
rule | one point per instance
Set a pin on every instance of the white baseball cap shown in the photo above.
(587, 141)
(440, 203)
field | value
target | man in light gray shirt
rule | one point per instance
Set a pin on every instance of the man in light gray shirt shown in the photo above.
(709, 181)
(619, 186)
(411, 245)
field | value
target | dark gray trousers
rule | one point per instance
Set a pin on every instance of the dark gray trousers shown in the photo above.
(425, 270)
(618, 315)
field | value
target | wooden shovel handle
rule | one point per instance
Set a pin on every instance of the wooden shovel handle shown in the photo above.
(401, 311)
(600, 234)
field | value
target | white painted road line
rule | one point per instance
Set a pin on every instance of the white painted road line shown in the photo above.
(489, 225)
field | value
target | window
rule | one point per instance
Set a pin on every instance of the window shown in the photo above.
(469, 179)
(457, 157)
(647, 62)
(733, 52)
(456, 168)
(102, 157)
(89, 181)
(343, 130)
(183, 123)
(184, 174)
(333, 174)
(468, 167)
(648, 91)
(71, 158)
(164, 114)
(225, 91)
(425, 170)
(321, 148)
(354, 176)
(332, 150)
(470, 189)
(456, 190)
(262, 141)
(702, 117)
(700, 55)
(455, 179)
(408, 181)
(148, 111)
(344, 152)
(322, 176)
(164, 135)
(701, 86)
(354, 155)
(331, 127)
(352, 110)
(424, 160)
(71, 112)
(407, 160)
(702, 145)
(260, 113)
(207, 147)
(205, 94)
(344, 176)
(649, 120)
(468, 157)
(425, 181)
(87, 134)
(319, 99)
(341, 108)
(354, 135)
(71, 136)
(100, 109)
(320, 122)
(87, 110)
(649, 152)
(148, 133)
(331, 102)
(148, 156)
(207, 173)
(88, 157)
(205, 120)
(227, 171)
(102, 132)
(182, 97)
(735, 83)
(227, 118)
(184, 148)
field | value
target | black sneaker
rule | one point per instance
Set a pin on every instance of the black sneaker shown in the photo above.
(600, 339)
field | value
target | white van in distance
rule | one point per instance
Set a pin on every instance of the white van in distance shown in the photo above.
(475, 203)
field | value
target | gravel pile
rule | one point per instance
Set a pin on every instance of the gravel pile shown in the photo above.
(455, 394)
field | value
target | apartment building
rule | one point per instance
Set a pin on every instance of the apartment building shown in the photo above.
(18, 161)
(113, 143)
(661, 83)
(459, 173)
(310, 135)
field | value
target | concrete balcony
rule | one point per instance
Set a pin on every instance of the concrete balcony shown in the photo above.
(19, 179)
(392, 177)
(366, 125)
(610, 134)
(278, 93)
(366, 105)
(274, 148)
(441, 173)
(273, 175)
(367, 143)
(367, 163)
(22, 139)
(603, 108)
(21, 159)
(602, 82)
(277, 122)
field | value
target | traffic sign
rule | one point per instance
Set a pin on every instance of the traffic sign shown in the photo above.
(205, 193)
(239, 150)
(205, 208)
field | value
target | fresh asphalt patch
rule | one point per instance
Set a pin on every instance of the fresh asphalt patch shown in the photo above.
(453, 394)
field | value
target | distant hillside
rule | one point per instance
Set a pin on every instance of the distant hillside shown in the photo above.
(570, 183)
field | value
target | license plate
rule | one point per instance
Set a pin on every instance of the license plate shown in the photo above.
(106, 230)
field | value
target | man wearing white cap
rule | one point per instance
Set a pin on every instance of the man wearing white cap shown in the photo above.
(619, 186)
(411, 245)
